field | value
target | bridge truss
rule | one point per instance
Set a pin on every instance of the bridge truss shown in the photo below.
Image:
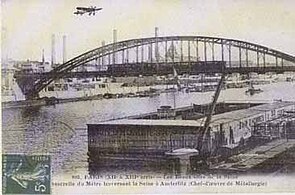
(140, 56)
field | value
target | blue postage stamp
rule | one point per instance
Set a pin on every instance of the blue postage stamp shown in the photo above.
(26, 174)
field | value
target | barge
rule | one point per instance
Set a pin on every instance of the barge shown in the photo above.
(154, 137)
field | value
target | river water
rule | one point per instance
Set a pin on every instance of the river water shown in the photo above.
(60, 130)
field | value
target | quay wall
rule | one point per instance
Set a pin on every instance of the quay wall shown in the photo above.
(24, 103)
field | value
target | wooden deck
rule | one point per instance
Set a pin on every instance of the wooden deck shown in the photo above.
(250, 159)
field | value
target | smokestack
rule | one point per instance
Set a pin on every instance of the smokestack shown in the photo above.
(43, 58)
(114, 36)
(102, 58)
(52, 50)
(114, 41)
(64, 49)
(156, 45)
(156, 31)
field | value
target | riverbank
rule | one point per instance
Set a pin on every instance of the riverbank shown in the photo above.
(53, 100)
(23, 103)
(151, 92)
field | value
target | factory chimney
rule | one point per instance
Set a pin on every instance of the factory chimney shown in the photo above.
(156, 31)
(156, 45)
(43, 58)
(103, 43)
(114, 36)
(52, 50)
(64, 49)
(114, 42)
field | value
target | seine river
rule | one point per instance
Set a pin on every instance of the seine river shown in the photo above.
(60, 130)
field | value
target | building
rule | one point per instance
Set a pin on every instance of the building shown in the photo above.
(139, 136)
(34, 67)
(238, 126)
(7, 83)
(43, 67)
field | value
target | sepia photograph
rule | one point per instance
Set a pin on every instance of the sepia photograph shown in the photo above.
(147, 96)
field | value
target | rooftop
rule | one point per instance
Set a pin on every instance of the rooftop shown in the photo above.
(216, 119)
(271, 106)
(155, 122)
(233, 116)
(245, 113)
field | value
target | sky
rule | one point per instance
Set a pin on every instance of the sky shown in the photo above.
(27, 25)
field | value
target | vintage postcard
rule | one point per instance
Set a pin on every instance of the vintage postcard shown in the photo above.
(147, 96)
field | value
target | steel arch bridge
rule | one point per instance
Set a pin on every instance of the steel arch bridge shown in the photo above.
(157, 55)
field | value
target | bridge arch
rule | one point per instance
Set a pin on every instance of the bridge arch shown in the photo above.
(225, 51)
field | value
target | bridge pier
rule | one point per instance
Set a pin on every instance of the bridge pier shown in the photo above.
(181, 161)
(26, 83)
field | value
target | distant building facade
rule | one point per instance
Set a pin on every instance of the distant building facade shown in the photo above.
(34, 67)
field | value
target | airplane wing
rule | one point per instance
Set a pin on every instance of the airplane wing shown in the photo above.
(82, 8)
(79, 13)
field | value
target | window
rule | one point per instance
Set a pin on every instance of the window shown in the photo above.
(221, 127)
(231, 136)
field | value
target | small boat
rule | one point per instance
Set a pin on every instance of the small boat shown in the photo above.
(108, 95)
(131, 95)
(253, 91)
(154, 94)
(183, 151)
(142, 94)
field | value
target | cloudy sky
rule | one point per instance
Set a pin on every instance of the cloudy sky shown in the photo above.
(27, 25)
